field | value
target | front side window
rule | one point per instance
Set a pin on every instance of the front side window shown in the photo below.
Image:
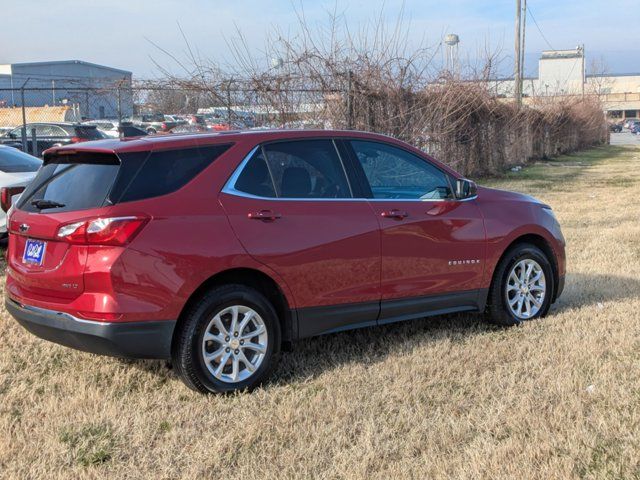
(394, 173)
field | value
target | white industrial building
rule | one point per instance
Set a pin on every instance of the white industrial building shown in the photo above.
(97, 91)
(563, 73)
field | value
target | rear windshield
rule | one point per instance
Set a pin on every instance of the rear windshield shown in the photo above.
(89, 132)
(63, 184)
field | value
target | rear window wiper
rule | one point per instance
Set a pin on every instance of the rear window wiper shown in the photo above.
(42, 204)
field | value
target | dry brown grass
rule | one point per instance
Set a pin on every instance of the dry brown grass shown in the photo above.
(440, 398)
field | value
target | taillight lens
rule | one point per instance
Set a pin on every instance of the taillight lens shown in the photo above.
(102, 231)
(5, 196)
(78, 139)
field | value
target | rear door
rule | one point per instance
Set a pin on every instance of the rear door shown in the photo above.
(292, 207)
(433, 246)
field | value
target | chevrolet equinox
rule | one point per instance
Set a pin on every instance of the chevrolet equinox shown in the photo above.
(216, 250)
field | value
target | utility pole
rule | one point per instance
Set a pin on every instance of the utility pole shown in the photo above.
(524, 32)
(584, 70)
(517, 80)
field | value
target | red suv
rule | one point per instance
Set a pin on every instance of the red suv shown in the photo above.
(215, 250)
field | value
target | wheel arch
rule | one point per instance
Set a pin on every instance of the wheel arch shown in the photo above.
(543, 244)
(253, 278)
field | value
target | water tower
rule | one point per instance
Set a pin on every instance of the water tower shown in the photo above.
(451, 53)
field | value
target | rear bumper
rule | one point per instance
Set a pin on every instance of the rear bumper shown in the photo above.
(150, 339)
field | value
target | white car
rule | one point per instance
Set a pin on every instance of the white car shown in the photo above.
(17, 169)
(108, 127)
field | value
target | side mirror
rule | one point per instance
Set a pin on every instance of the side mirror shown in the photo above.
(465, 189)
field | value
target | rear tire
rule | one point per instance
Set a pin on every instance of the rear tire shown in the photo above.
(212, 354)
(522, 286)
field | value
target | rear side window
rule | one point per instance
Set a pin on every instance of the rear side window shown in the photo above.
(307, 169)
(91, 180)
(255, 178)
(166, 171)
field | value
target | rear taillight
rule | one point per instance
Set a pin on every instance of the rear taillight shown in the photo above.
(6, 193)
(78, 139)
(102, 231)
(163, 126)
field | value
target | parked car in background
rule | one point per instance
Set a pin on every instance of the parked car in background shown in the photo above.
(615, 127)
(197, 120)
(152, 123)
(51, 135)
(186, 128)
(630, 122)
(635, 128)
(215, 249)
(128, 130)
(174, 119)
(108, 127)
(17, 169)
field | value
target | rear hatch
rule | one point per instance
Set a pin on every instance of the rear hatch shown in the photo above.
(65, 188)
(69, 211)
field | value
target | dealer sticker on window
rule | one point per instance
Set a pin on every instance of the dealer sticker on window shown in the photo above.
(34, 251)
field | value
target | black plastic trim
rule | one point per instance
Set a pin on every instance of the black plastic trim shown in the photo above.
(314, 321)
(418, 307)
(150, 339)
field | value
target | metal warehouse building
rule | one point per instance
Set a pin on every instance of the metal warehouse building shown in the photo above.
(96, 90)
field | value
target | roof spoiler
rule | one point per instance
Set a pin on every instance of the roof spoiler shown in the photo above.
(68, 155)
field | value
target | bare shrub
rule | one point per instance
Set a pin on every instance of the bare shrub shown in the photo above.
(373, 80)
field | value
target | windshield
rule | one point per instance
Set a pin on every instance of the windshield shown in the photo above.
(15, 161)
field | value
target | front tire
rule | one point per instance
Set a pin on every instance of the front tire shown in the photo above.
(522, 286)
(229, 341)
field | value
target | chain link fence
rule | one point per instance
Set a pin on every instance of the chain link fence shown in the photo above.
(460, 123)
(28, 115)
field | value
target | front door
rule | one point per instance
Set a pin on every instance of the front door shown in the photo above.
(292, 208)
(433, 246)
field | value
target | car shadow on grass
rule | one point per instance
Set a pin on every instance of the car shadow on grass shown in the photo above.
(588, 289)
(314, 356)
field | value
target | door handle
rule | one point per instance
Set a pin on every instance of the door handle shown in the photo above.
(267, 215)
(397, 214)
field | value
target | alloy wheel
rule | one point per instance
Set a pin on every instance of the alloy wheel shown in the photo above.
(234, 343)
(526, 289)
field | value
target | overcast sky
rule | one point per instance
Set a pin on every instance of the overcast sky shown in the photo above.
(115, 32)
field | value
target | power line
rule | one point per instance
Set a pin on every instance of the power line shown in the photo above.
(539, 29)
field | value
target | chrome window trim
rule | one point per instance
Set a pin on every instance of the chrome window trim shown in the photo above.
(344, 169)
(229, 188)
